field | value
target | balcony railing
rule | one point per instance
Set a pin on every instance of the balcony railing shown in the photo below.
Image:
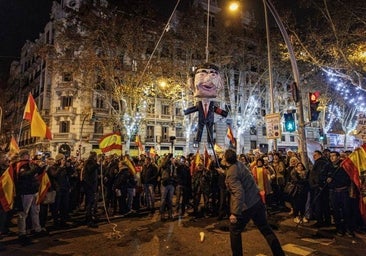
(65, 111)
(64, 136)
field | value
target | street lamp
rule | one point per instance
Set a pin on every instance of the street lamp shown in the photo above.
(269, 57)
(295, 71)
(299, 104)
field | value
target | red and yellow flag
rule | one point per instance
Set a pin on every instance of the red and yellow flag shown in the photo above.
(111, 142)
(44, 185)
(152, 153)
(7, 189)
(195, 162)
(139, 144)
(38, 126)
(230, 135)
(129, 164)
(354, 164)
(207, 158)
(218, 148)
(13, 146)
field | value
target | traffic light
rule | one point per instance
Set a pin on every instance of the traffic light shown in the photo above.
(321, 134)
(290, 125)
(313, 106)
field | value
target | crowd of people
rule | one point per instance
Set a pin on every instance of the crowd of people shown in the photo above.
(185, 186)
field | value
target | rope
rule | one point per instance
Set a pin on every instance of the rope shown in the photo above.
(166, 28)
(115, 234)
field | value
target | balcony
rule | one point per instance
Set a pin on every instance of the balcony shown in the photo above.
(65, 112)
(66, 88)
(63, 136)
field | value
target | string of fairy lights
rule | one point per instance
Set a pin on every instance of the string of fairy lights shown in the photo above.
(353, 98)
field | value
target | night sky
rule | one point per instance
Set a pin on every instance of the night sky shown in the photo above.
(20, 20)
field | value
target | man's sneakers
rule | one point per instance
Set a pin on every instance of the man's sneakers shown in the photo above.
(297, 220)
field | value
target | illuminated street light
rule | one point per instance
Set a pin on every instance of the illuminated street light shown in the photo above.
(300, 109)
(234, 6)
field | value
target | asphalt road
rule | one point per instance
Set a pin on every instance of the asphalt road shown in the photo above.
(141, 234)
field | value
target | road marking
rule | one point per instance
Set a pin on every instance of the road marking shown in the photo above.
(297, 249)
(322, 241)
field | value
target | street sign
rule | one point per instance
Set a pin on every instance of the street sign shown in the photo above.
(273, 125)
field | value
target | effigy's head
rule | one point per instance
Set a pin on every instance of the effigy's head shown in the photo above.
(207, 81)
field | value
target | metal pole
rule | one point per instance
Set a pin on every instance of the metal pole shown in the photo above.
(81, 135)
(295, 71)
(207, 28)
(270, 71)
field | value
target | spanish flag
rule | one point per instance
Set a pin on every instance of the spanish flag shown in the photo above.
(13, 146)
(152, 153)
(355, 166)
(218, 148)
(195, 162)
(129, 164)
(139, 144)
(111, 141)
(7, 189)
(38, 126)
(207, 158)
(45, 184)
(230, 135)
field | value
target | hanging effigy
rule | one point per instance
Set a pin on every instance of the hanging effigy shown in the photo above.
(206, 83)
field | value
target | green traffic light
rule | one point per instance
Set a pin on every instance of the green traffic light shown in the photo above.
(290, 125)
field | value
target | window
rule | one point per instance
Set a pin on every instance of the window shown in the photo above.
(165, 133)
(179, 132)
(283, 138)
(292, 138)
(165, 110)
(64, 126)
(66, 101)
(99, 102)
(253, 144)
(66, 77)
(150, 133)
(264, 131)
(178, 111)
(98, 127)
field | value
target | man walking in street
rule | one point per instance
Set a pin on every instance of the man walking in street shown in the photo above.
(90, 183)
(246, 205)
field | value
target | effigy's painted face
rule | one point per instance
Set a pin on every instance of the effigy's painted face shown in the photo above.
(207, 83)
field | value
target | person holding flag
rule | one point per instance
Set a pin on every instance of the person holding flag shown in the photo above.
(6, 192)
(27, 188)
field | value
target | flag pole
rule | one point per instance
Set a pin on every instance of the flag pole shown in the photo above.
(20, 131)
